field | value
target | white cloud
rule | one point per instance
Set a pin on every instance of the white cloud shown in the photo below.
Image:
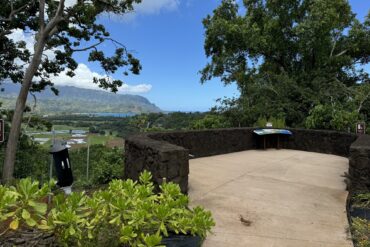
(84, 77)
(156, 6)
(146, 7)
(70, 3)
(18, 35)
(135, 89)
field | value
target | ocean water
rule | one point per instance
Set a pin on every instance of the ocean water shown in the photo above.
(110, 114)
(113, 114)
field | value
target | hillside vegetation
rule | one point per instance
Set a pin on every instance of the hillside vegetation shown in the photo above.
(79, 100)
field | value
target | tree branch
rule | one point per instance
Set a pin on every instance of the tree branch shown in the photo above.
(332, 49)
(15, 11)
(362, 102)
(33, 109)
(42, 15)
(341, 53)
(115, 42)
(88, 48)
(50, 28)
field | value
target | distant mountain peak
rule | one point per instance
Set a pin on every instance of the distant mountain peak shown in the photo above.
(80, 100)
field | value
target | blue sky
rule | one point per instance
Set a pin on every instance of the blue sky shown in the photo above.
(167, 36)
(169, 44)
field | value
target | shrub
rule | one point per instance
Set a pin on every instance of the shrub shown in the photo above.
(331, 117)
(105, 164)
(362, 200)
(127, 213)
(276, 122)
(360, 232)
(210, 121)
(23, 204)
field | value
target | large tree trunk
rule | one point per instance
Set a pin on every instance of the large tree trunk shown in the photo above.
(11, 148)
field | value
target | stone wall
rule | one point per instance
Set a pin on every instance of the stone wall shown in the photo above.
(359, 163)
(203, 143)
(162, 159)
(321, 141)
(166, 154)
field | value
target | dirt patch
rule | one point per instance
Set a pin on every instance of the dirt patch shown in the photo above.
(115, 143)
(245, 221)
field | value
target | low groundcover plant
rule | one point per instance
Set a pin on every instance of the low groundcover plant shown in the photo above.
(360, 229)
(361, 200)
(127, 213)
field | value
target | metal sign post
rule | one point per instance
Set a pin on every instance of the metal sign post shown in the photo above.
(88, 158)
(51, 164)
(2, 134)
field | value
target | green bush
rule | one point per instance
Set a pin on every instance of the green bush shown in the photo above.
(23, 204)
(210, 121)
(104, 172)
(361, 200)
(127, 213)
(105, 164)
(360, 229)
(278, 123)
(331, 117)
(32, 160)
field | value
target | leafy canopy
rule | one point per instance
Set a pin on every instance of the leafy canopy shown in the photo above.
(76, 30)
(287, 56)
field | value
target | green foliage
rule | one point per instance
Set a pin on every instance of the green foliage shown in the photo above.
(331, 117)
(23, 204)
(141, 122)
(360, 229)
(64, 37)
(276, 122)
(69, 218)
(127, 213)
(105, 164)
(287, 57)
(362, 200)
(129, 125)
(261, 122)
(31, 159)
(211, 122)
(108, 167)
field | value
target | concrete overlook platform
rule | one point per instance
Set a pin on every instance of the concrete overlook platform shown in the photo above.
(272, 198)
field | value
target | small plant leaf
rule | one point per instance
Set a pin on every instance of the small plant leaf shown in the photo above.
(31, 222)
(72, 231)
(25, 214)
(14, 224)
(39, 207)
(44, 225)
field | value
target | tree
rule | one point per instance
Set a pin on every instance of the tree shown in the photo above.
(331, 117)
(140, 122)
(287, 56)
(210, 121)
(60, 31)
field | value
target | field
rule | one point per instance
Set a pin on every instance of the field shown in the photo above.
(76, 137)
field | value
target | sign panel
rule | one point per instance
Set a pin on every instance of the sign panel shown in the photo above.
(360, 128)
(2, 136)
(262, 132)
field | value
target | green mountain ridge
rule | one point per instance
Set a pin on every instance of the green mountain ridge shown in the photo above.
(79, 100)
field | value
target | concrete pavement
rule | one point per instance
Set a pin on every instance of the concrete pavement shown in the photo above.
(272, 198)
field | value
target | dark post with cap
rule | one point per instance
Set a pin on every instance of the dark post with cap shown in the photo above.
(62, 163)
